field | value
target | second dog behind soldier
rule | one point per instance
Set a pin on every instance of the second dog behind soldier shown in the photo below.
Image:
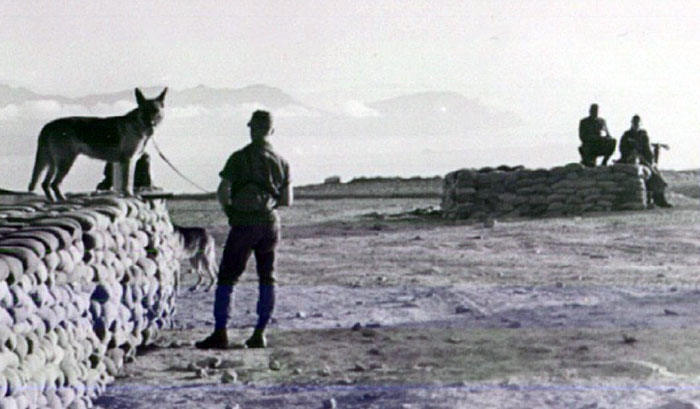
(199, 248)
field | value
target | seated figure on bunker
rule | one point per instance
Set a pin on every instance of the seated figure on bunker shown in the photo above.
(636, 149)
(593, 144)
(142, 174)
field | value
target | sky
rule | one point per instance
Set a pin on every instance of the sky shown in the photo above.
(544, 60)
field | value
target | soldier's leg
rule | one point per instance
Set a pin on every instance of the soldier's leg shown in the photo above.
(609, 145)
(265, 262)
(266, 286)
(237, 251)
(657, 186)
(586, 159)
(233, 261)
(599, 147)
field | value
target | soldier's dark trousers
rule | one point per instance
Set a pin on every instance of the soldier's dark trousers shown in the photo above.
(241, 242)
(656, 187)
(594, 147)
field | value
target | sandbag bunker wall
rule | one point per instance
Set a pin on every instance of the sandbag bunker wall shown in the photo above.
(564, 190)
(82, 285)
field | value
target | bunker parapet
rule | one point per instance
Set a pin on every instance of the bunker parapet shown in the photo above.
(82, 285)
(564, 190)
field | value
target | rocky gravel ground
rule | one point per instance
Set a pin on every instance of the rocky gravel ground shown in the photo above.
(379, 308)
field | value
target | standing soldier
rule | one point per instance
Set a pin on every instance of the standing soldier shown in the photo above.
(593, 144)
(254, 182)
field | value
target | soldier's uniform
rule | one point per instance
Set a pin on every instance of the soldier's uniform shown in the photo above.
(142, 172)
(257, 175)
(106, 183)
(635, 149)
(592, 143)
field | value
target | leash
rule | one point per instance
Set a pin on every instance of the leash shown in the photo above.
(175, 169)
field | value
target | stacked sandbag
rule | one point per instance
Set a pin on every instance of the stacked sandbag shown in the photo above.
(564, 190)
(135, 266)
(82, 285)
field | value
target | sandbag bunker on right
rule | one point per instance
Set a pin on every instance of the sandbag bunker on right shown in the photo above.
(565, 190)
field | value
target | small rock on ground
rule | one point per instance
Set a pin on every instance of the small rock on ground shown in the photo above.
(211, 362)
(275, 365)
(593, 405)
(359, 367)
(462, 309)
(229, 376)
(677, 404)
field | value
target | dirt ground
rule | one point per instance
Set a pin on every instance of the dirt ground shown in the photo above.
(381, 308)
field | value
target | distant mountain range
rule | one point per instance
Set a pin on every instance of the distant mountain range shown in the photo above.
(433, 111)
(203, 125)
(201, 95)
(18, 95)
(413, 105)
(204, 110)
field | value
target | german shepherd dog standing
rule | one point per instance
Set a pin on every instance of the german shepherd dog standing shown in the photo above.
(199, 247)
(112, 139)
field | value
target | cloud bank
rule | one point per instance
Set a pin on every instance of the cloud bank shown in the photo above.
(358, 109)
(48, 109)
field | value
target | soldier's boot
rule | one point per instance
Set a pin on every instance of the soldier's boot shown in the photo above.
(257, 340)
(266, 304)
(610, 145)
(660, 200)
(650, 200)
(217, 340)
(222, 312)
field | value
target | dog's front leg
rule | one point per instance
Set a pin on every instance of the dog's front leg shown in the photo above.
(124, 177)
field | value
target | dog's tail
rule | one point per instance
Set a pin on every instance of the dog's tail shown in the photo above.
(42, 159)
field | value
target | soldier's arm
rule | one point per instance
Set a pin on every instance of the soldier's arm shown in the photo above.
(286, 196)
(287, 191)
(223, 193)
(648, 155)
(605, 128)
(228, 176)
(622, 146)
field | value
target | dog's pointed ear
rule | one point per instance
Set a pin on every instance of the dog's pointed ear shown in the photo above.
(161, 97)
(140, 99)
